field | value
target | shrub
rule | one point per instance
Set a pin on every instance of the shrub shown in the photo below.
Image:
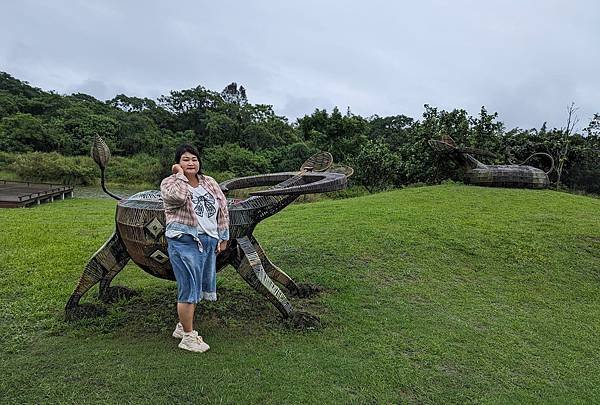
(79, 170)
(6, 158)
(375, 166)
(140, 168)
(53, 167)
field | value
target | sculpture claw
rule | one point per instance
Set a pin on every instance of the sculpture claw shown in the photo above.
(115, 293)
(84, 311)
(306, 290)
(303, 320)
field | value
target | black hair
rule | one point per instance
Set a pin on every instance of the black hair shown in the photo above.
(186, 147)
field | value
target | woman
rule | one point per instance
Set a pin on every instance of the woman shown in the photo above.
(197, 230)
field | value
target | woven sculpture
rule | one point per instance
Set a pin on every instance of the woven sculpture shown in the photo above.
(140, 225)
(518, 176)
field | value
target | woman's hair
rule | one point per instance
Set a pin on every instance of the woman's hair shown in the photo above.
(186, 147)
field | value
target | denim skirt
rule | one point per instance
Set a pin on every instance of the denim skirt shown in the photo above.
(194, 264)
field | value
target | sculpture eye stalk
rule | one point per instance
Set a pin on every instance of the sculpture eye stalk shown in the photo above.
(100, 152)
(101, 155)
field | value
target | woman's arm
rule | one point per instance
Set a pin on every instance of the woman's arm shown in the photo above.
(174, 190)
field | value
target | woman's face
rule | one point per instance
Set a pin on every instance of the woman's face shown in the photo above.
(189, 163)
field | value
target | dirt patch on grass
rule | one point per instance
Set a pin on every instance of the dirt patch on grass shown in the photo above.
(154, 311)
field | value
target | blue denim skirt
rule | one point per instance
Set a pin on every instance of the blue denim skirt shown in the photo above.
(194, 268)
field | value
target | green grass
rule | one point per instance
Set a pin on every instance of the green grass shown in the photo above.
(434, 294)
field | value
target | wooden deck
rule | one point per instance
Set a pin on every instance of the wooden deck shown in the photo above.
(14, 194)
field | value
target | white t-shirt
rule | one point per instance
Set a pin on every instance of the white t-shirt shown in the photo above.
(206, 207)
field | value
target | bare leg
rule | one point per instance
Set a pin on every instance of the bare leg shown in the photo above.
(185, 310)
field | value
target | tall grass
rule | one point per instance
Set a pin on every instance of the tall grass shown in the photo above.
(78, 170)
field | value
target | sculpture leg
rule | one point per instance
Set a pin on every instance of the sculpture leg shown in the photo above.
(302, 290)
(109, 293)
(274, 272)
(250, 267)
(106, 262)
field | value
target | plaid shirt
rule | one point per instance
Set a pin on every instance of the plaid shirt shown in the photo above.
(178, 202)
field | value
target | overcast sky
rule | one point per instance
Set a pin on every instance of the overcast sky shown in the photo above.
(527, 60)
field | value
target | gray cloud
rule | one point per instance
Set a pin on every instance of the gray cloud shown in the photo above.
(97, 88)
(525, 59)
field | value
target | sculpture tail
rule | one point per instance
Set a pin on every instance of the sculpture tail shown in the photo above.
(541, 154)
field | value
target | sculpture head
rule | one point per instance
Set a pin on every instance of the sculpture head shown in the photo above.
(463, 156)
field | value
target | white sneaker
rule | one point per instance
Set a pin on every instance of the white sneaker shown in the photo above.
(178, 332)
(193, 342)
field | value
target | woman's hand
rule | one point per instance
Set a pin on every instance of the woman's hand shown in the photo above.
(176, 168)
(221, 246)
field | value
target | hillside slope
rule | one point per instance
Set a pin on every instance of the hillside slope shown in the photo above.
(446, 293)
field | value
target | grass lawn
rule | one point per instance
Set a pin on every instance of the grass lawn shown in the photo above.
(434, 294)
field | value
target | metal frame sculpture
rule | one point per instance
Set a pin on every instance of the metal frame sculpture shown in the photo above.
(140, 225)
(513, 175)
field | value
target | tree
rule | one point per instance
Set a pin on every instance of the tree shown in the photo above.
(234, 95)
(572, 120)
(23, 133)
(593, 128)
(17, 87)
(131, 104)
(136, 133)
(289, 157)
(341, 135)
(235, 159)
(221, 129)
(485, 132)
(392, 130)
(190, 109)
(375, 165)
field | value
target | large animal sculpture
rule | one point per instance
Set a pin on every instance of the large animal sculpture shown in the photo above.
(513, 175)
(140, 225)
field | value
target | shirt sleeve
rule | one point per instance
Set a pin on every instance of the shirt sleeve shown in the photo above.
(174, 190)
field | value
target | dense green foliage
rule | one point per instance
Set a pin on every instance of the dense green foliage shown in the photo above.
(445, 294)
(80, 170)
(241, 138)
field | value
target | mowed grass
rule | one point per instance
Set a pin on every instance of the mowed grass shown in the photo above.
(434, 294)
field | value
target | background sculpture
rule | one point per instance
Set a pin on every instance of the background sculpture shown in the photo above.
(140, 224)
(520, 176)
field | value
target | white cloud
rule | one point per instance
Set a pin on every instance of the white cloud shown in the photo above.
(525, 59)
